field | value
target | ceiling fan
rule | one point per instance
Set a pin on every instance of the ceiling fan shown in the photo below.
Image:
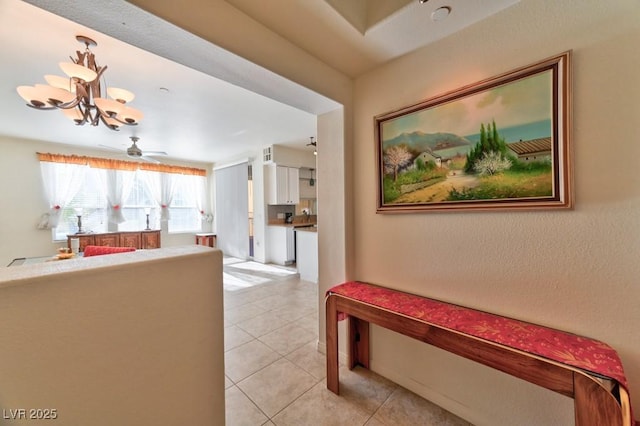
(135, 152)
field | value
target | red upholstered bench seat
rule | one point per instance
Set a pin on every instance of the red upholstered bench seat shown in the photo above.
(587, 370)
(100, 250)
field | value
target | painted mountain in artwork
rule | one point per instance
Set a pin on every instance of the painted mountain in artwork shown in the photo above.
(420, 141)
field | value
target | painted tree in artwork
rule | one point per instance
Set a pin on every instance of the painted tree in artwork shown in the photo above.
(491, 163)
(396, 157)
(490, 142)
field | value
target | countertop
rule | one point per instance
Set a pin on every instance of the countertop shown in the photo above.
(307, 229)
(292, 225)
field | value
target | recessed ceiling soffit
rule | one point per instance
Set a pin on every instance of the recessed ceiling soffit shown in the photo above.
(365, 14)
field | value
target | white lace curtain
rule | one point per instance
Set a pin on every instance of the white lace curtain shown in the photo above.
(61, 183)
(201, 193)
(116, 186)
(161, 186)
(64, 175)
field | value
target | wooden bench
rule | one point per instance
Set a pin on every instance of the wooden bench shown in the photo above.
(600, 394)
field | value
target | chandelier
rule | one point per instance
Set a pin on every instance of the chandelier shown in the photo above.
(80, 94)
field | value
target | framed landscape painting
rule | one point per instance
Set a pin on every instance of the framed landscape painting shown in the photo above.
(502, 143)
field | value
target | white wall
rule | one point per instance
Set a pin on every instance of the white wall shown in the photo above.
(22, 199)
(574, 270)
(128, 339)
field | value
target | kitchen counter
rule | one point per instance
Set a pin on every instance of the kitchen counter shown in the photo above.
(312, 228)
(291, 225)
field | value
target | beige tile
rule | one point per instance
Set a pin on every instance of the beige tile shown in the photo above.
(240, 411)
(293, 313)
(227, 382)
(273, 302)
(309, 322)
(241, 313)
(407, 408)
(261, 383)
(287, 339)
(310, 360)
(262, 324)
(234, 336)
(320, 407)
(276, 386)
(244, 360)
(364, 388)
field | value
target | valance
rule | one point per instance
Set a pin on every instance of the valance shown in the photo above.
(110, 164)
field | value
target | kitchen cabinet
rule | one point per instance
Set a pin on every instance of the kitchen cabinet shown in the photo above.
(284, 184)
(307, 253)
(281, 245)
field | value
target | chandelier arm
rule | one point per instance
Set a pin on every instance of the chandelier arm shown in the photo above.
(86, 116)
(111, 126)
(63, 105)
(100, 71)
(41, 107)
(80, 60)
(94, 118)
(102, 114)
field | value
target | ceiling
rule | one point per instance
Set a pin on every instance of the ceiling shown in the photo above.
(201, 103)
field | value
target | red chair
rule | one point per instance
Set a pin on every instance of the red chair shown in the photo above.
(100, 250)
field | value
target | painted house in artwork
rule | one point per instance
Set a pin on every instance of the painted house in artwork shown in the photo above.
(532, 150)
(428, 156)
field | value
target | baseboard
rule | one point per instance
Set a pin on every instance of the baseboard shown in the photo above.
(322, 348)
(418, 388)
(429, 394)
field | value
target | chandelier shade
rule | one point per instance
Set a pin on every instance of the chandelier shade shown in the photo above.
(80, 72)
(60, 82)
(81, 96)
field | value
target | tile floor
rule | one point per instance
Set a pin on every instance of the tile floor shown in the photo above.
(275, 375)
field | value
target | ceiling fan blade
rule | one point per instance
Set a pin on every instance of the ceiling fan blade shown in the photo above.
(149, 159)
(110, 148)
(154, 153)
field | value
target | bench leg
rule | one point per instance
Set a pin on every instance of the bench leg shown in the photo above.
(358, 343)
(593, 405)
(333, 381)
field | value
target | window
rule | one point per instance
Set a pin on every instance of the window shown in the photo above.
(186, 208)
(90, 203)
(136, 206)
(101, 195)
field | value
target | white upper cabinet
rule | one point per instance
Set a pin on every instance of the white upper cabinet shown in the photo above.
(284, 184)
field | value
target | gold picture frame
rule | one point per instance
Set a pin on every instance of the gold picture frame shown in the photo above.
(498, 144)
